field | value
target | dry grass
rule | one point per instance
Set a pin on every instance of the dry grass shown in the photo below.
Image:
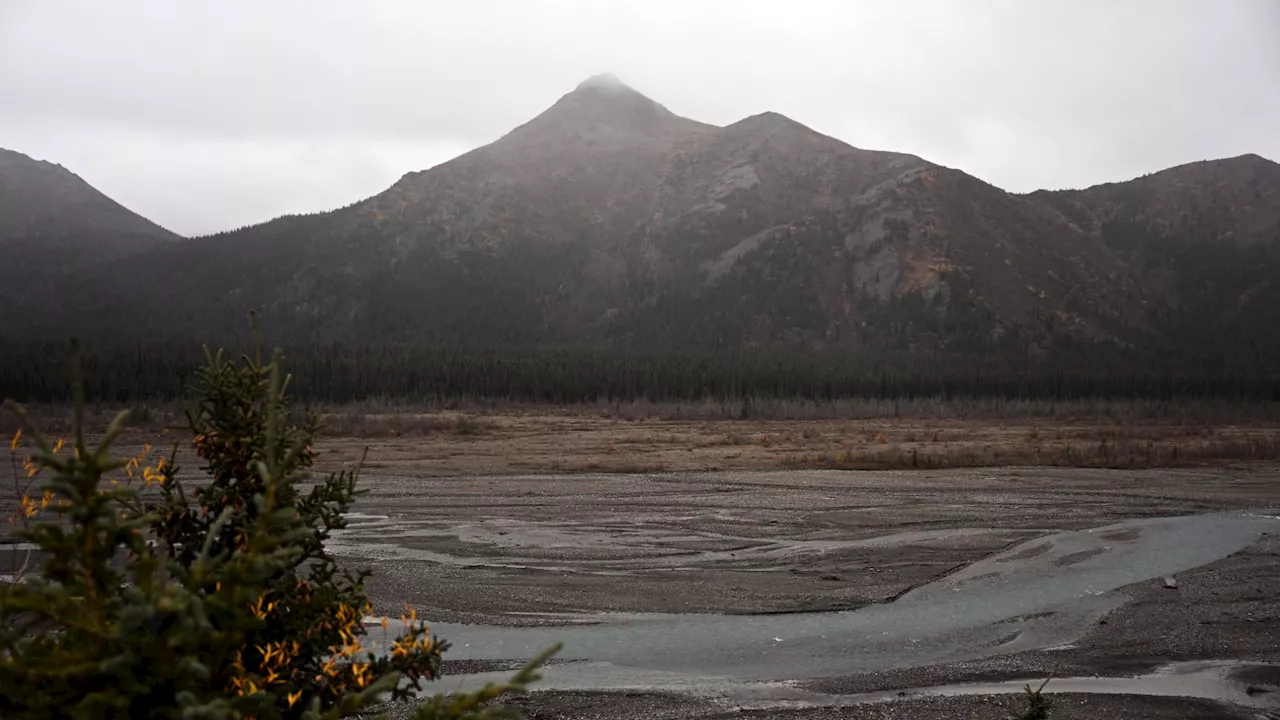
(384, 416)
(1120, 453)
(931, 408)
(535, 443)
(404, 424)
(577, 439)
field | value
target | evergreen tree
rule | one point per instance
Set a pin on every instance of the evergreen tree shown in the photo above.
(153, 601)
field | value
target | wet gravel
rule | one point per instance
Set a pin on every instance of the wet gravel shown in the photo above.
(531, 549)
(659, 706)
(1225, 610)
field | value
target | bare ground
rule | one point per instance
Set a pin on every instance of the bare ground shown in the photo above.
(772, 542)
(578, 439)
(1226, 610)
(628, 706)
(575, 441)
(733, 542)
(524, 519)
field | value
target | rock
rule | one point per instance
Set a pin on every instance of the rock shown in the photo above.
(1171, 582)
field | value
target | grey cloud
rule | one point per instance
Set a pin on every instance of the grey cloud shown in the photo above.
(205, 116)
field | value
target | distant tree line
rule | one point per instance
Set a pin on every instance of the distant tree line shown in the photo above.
(342, 373)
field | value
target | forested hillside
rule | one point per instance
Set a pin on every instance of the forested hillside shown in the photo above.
(444, 375)
(607, 227)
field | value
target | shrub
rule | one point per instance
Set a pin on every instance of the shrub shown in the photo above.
(1035, 705)
(218, 601)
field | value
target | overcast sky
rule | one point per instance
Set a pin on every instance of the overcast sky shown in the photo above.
(204, 116)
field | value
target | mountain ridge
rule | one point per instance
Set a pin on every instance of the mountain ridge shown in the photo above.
(608, 219)
(55, 227)
(28, 187)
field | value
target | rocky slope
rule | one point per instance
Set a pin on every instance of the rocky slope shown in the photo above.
(1200, 246)
(608, 219)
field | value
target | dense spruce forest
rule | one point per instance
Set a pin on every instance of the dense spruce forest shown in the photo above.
(338, 373)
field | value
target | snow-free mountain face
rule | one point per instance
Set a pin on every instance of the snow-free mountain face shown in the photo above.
(607, 219)
(43, 201)
(54, 227)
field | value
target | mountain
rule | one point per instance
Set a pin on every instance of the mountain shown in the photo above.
(54, 227)
(1200, 246)
(608, 219)
(45, 206)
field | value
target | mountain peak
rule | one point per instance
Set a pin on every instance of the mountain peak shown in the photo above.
(606, 89)
(48, 212)
(13, 160)
(771, 121)
(604, 81)
(603, 105)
